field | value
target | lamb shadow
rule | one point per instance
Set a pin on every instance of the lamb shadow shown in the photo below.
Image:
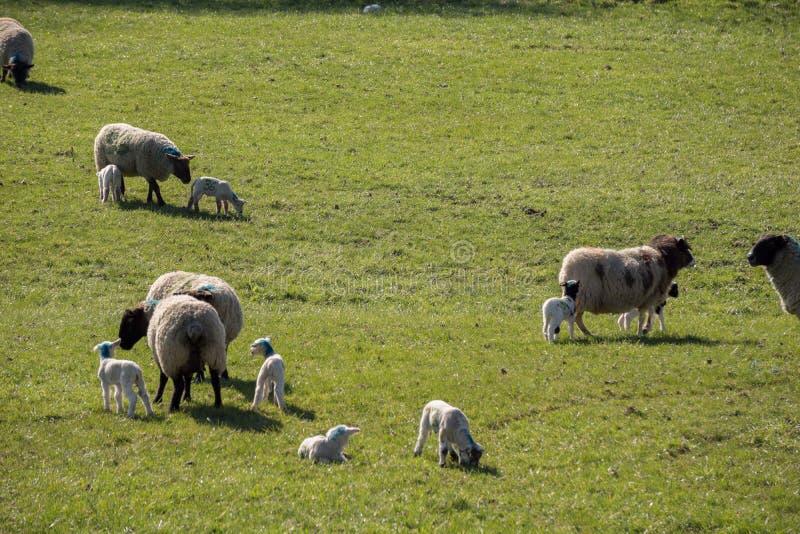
(41, 88)
(178, 211)
(648, 340)
(485, 470)
(247, 388)
(234, 418)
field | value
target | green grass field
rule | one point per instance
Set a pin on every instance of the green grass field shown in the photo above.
(413, 179)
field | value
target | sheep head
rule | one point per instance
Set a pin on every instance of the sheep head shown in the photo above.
(19, 70)
(262, 346)
(675, 251)
(341, 434)
(106, 348)
(133, 326)
(765, 249)
(570, 288)
(180, 165)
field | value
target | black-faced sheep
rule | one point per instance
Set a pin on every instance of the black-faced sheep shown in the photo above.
(780, 257)
(16, 51)
(452, 427)
(328, 448)
(556, 310)
(186, 334)
(143, 153)
(122, 375)
(614, 281)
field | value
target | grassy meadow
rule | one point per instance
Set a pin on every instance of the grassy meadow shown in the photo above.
(413, 179)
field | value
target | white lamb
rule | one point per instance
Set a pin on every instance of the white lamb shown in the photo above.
(271, 377)
(328, 448)
(219, 189)
(122, 375)
(452, 427)
(109, 179)
(556, 310)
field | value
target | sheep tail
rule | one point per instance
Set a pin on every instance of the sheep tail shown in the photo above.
(194, 331)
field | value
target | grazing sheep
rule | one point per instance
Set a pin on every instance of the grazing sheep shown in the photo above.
(328, 448)
(143, 153)
(556, 310)
(219, 189)
(271, 377)
(16, 51)
(626, 319)
(780, 257)
(614, 281)
(452, 427)
(185, 334)
(121, 375)
(109, 179)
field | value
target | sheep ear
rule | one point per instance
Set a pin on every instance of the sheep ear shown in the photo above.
(117, 342)
(191, 156)
(562, 284)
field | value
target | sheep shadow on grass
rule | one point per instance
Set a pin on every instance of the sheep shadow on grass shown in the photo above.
(233, 417)
(633, 339)
(180, 211)
(41, 88)
(247, 388)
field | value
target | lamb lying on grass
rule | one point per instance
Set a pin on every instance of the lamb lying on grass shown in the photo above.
(271, 378)
(219, 189)
(328, 448)
(121, 375)
(452, 427)
(556, 310)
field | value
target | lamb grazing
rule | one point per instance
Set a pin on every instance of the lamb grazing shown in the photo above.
(185, 334)
(271, 377)
(614, 281)
(16, 51)
(780, 257)
(110, 181)
(452, 427)
(328, 448)
(556, 310)
(122, 375)
(624, 321)
(219, 189)
(140, 152)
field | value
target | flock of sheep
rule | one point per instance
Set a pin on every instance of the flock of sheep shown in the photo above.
(190, 319)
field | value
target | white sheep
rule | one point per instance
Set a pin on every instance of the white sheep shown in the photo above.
(143, 153)
(109, 179)
(614, 281)
(272, 376)
(16, 50)
(328, 448)
(185, 334)
(556, 310)
(626, 319)
(219, 189)
(780, 257)
(121, 375)
(452, 427)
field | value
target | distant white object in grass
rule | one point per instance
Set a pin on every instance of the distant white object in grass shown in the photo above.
(372, 8)
(121, 375)
(271, 378)
(328, 448)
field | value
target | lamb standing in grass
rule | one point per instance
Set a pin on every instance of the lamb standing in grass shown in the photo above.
(328, 448)
(452, 427)
(271, 377)
(143, 153)
(556, 310)
(16, 51)
(614, 281)
(121, 375)
(186, 334)
(626, 319)
(780, 257)
(219, 189)
(109, 179)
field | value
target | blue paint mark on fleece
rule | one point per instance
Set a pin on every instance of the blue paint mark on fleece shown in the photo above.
(14, 59)
(268, 350)
(105, 349)
(336, 432)
(234, 196)
(207, 287)
(172, 151)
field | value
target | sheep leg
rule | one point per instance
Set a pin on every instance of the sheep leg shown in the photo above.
(145, 397)
(106, 400)
(176, 395)
(122, 185)
(187, 396)
(579, 322)
(118, 397)
(259, 396)
(225, 203)
(153, 188)
(162, 382)
(444, 448)
(644, 321)
(215, 386)
(571, 322)
(278, 393)
(131, 400)
(424, 430)
(219, 206)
